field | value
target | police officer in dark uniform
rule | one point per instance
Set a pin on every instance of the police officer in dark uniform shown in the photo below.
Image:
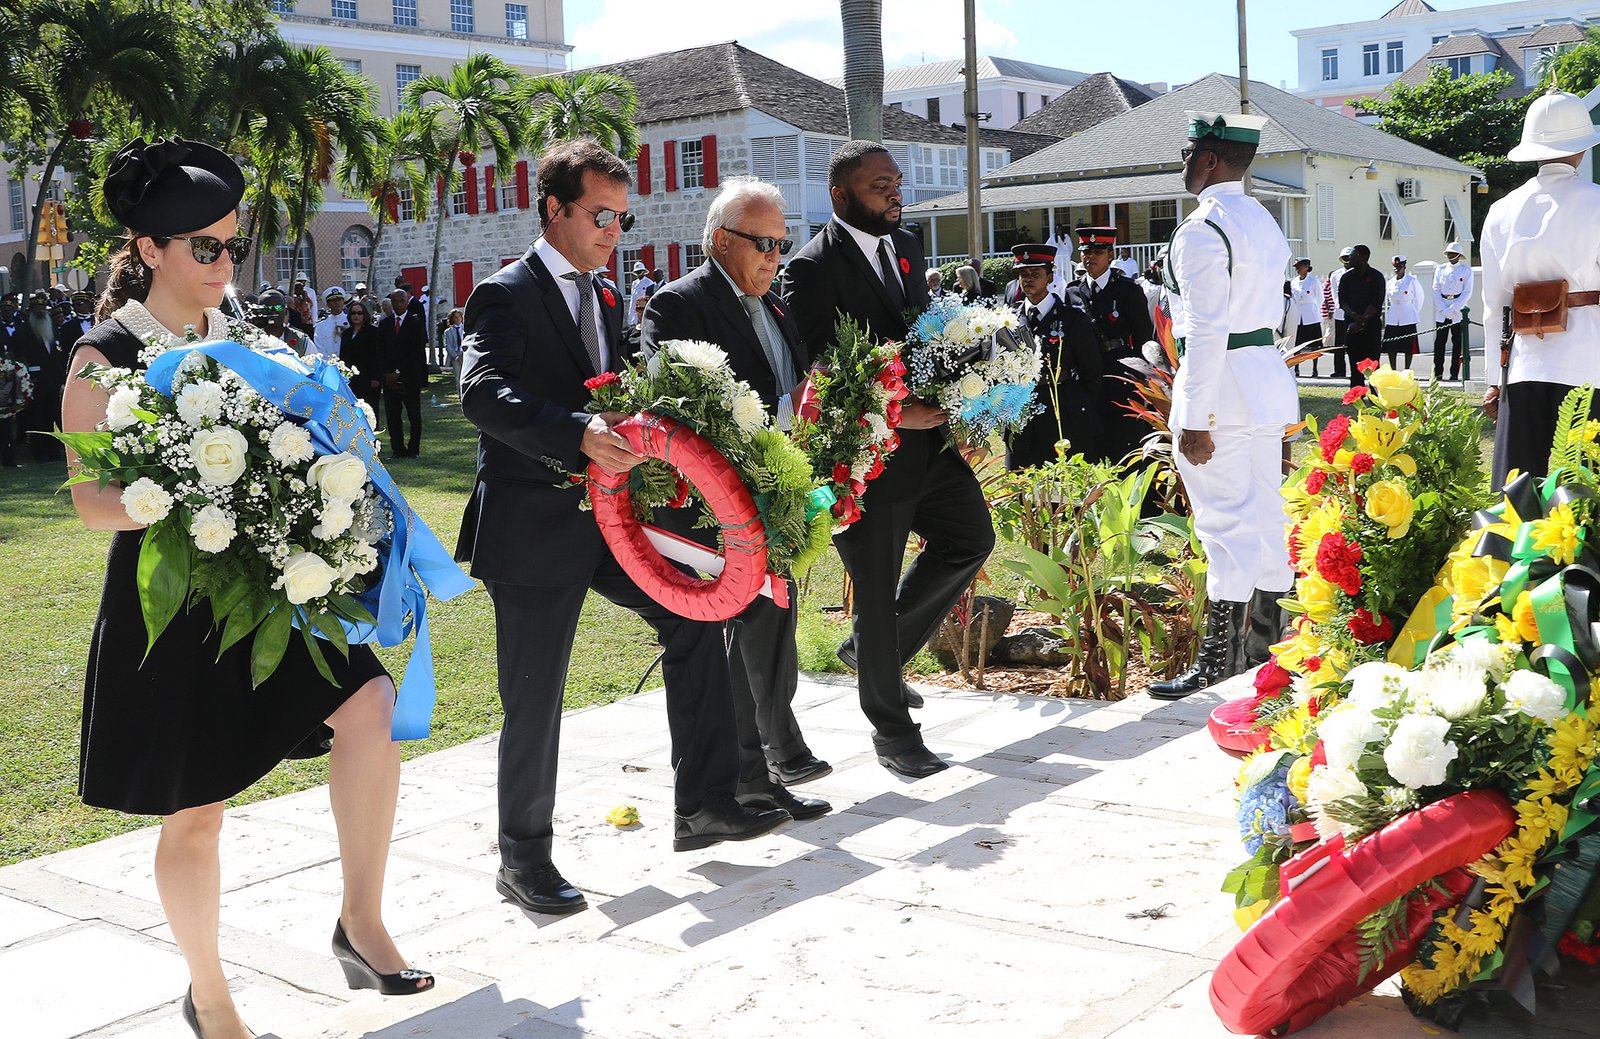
(1069, 388)
(1122, 322)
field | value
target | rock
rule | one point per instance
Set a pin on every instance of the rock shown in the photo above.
(1000, 612)
(1041, 646)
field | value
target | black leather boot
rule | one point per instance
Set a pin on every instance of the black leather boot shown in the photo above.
(1220, 655)
(1267, 621)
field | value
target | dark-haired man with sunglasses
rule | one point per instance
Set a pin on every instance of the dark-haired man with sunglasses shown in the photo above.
(728, 300)
(536, 331)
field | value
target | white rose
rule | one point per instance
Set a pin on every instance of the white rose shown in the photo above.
(338, 476)
(306, 576)
(1325, 786)
(1345, 732)
(1531, 693)
(1375, 684)
(1449, 689)
(368, 414)
(213, 529)
(146, 501)
(1418, 754)
(219, 454)
(749, 414)
(363, 559)
(119, 409)
(334, 520)
(972, 386)
(290, 444)
(199, 403)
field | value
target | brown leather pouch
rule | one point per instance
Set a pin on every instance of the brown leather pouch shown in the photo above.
(1538, 307)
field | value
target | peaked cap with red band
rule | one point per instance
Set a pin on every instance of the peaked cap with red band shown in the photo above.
(1097, 236)
(1033, 255)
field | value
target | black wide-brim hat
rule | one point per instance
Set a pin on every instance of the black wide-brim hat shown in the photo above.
(171, 187)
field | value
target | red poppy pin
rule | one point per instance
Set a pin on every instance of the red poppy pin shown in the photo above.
(606, 295)
(905, 265)
(777, 310)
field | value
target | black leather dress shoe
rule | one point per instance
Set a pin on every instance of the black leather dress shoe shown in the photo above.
(802, 768)
(722, 818)
(539, 889)
(779, 798)
(847, 656)
(915, 762)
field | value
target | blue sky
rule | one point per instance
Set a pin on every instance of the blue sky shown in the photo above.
(1155, 40)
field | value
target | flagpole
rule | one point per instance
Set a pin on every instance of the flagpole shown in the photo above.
(1244, 80)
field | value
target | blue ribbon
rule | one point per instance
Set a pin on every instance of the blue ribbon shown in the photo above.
(414, 564)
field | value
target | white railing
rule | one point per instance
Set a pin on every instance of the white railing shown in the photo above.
(1144, 253)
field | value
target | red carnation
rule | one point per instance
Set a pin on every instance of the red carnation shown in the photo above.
(1333, 435)
(1294, 542)
(1313, 665)
(603, 379)
(606, 295)
(841, 473)
(1362, 462)
(681, 496)
(1578, 949)
(1313, 707)
(1337, 562)
(1365, 629)
(1315, 480)
(1355, 393)
(1364, 367)
(1319, 755)
(891, 413)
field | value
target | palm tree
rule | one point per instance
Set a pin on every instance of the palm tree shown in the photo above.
(863, 67)
(475, 106)
(241, 81)
(571, 106)
(99, 55)
(405, 154)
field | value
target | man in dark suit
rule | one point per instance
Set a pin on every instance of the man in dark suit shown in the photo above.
(76, 324)
(863, 264)
(31, 339)
(728, 300)
(1069, 387)
(538, 329)
(402, 343)
(1122, 321)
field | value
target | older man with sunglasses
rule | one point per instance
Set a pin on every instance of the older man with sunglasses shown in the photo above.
(728, 300)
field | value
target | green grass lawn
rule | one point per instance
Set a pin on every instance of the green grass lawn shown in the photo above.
(52, 577)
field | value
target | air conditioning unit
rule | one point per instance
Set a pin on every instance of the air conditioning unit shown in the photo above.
(1409, 190)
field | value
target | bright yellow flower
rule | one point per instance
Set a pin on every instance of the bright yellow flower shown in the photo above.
(1293, 651)
(1317, 596)
(1297, 501)
(1393, 389)
(1299, 775)
(1557, 534)
(1473, 579)
(1382, 438)
(1526, 621)
(1391, 504)
(1324, 519)
(1545, 785)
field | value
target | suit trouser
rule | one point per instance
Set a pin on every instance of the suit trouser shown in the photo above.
(1525, 427)
(404, 399)
(1362, 346)
(1339, 327)
(764, 668)
(8, 447)
(1456, 332)
(534, 630)
(890, 624)
(1238, 512)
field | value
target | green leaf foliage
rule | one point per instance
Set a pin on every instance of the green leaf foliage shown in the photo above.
(163, 575)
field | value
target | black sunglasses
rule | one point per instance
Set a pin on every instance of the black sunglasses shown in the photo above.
(604, 217)
(765, 243)
(1190, 151)
(208, 250)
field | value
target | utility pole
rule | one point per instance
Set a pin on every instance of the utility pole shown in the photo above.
(1244, 79)
(974, 172)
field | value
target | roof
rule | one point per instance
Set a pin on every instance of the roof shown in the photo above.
(1555, 34)
(1406, 8)
(1507, 51)
(944, 73)
(1466, 43)
(1136, 187)
(1096, 99)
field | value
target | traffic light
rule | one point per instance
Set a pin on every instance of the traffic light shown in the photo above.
(52, 223)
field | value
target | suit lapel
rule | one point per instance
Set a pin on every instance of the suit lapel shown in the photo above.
(555, 305)
(868, 268)
(728, 310)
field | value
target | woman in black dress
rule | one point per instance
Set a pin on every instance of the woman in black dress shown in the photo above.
(358, 347)
(179, 731)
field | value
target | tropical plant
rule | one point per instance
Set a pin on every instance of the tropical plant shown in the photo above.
(243, 79)
(475, 106)
(575, 105)
(405, 154)
(1573, 67)
(863, 67)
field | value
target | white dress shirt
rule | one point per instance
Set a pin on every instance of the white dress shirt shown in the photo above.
(1307, 296)
(869, 247)
(559, 267)
(1404, 300)
(325, 338)
(783, 418)
(1217, 388)
(1452, 280)
(1040, 310)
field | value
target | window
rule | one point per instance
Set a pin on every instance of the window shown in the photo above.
(1163, 219)
(1385, 221)
(1369, 59)
(517, 21)
(1436, 39)
(289, 263)
(1391, 216)
(405, 75)
(508, 187)
(993, 160)
(1022, 105)
(627, 256)
(922, 163)
(1044, 99)
(282, 6)
(693, 255)
(458, 197)
(19, 214)
(951, 172)
(775, 158)
(351, 65)
(933, 110)
(1325, 213)
(345, 9)
(1330, 63)
(355, 249)
(406, 209)
(461, 16)
(405, 12)
(1489, 62)
(1457, 220)
(898, 106)
(819, 152)
(1394, 57)
(1459, 67)
(691, 165)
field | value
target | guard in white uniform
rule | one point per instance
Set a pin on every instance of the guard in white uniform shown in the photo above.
(1400, 308)
(1232, 398)
(1538, 242)
(1305, 301)
(1452, 290)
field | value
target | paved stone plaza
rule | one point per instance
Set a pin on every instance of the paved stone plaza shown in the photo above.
(1003, 897)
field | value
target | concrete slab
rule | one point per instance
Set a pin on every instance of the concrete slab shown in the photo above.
(71, 983)
(20, 920)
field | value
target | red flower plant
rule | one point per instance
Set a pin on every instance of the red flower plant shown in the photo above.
(603, 379)
(1337, 562)
(1333, 435)
(1355, 393)
(1365, 629)
(1367, 367)
(1362, 462)
(80, 128)
(1578, 949)
(841, 473)
(681, 497)
(1313, 665)
(467, 158)
(1315, 481)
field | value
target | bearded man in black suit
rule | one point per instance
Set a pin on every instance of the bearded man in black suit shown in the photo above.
(862, 264)
(536, 330)
(728, 300)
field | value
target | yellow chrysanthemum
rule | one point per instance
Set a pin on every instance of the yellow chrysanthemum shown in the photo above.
(1545, 784)
(1557, 534)
(1320, 521)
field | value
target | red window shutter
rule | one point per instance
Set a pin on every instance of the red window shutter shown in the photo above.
(471, 176)
(647, 256)
(674, 251)
(644, 169)
(491, 200)
(462, 270)
(506, 261)
(708, 155)
(522, 184)
(669, 159)
(416, 277)
(611, 265)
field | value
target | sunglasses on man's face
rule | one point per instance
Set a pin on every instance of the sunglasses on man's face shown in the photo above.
(765, 243)
(208, 250)
(604, 217)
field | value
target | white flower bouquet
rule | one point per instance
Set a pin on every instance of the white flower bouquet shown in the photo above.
(976, 362)
(16, 386)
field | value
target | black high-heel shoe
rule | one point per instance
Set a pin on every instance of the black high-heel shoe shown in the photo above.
(359, 973)
(189, 1017)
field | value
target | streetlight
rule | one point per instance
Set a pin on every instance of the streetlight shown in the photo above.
(1370, 169)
